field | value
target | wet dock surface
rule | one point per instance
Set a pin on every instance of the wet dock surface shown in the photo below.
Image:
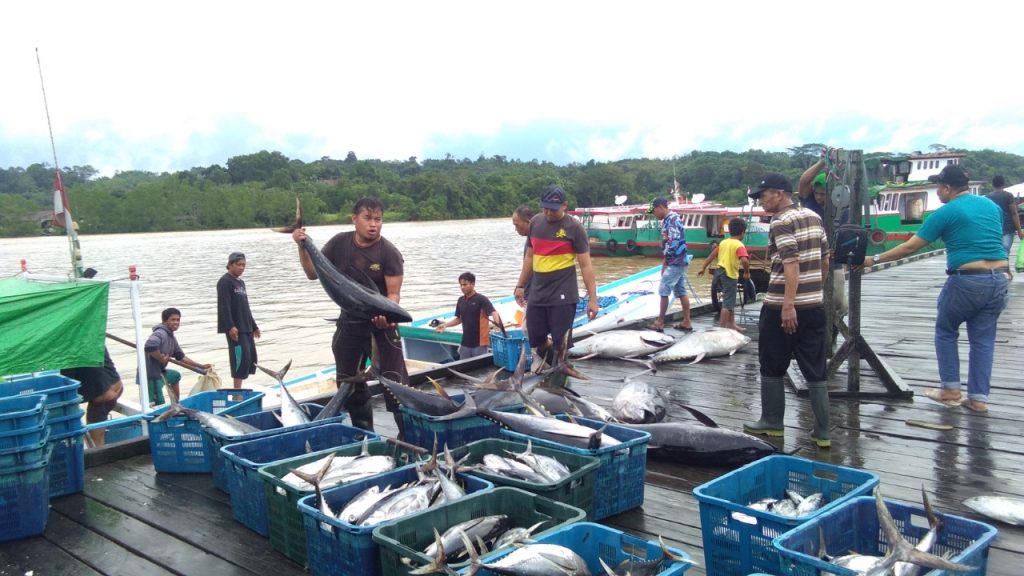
(132, 520)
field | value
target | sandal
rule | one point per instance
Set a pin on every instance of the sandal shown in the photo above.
(975, 405)
(936, 395)
(683, 328)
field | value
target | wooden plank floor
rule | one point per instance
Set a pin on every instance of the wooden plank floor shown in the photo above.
(132, 520)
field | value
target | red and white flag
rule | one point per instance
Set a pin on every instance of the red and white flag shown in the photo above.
(61, 212)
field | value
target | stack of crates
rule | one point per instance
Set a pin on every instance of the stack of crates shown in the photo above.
(24, 462)
(64, 421)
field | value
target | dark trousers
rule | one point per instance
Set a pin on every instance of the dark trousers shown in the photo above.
(353, 346)
(808, 345)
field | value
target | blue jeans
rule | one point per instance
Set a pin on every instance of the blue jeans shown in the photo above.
(673, 279)
(1008, 242)
(977, 300)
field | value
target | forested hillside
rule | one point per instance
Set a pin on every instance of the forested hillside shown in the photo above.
(258, 190)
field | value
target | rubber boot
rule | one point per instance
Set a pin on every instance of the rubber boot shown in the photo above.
(773, 409)
(818, 392)
(362, 416)
(401, 425)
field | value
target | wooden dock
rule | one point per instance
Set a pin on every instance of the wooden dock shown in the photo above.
(130, 520)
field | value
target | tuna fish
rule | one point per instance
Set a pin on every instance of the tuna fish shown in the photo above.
(639, 403)
(621, 344)
(224, 425)
(1001, 508)
(636, 567)
(358, 301)
(552, 429)
(291, 413)
(706, 343)
(687, 443)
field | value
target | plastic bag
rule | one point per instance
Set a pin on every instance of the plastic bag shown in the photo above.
(208, 381)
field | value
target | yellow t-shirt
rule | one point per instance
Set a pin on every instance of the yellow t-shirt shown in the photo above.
(729, 253)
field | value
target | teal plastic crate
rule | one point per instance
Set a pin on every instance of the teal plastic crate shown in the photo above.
(576, 489)
(335, 547)
(56, 387)
(620, 477)
(506, 350)
(178, 444)
(403, 540)
(14, 439)
(596, 542)
(737, 538)
(422, 429)
(22, 412)
(243, 460)
(854, 525)
(287, 534)
(24, 455)
(25, 492)
(268, 424)
(67, 464)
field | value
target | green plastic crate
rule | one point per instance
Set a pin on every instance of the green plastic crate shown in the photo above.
(406, 538)
(577, 489)
(287, 533)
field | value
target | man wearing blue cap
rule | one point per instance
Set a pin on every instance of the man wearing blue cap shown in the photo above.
(556, 242)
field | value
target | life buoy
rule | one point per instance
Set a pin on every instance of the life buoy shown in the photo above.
(877, 237)
(630, 245)
(611, 245)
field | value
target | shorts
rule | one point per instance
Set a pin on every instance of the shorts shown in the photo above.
(673, 279)
(728, 292)
(471, 352)
(554, 320)
(95, 380)
(242, 355)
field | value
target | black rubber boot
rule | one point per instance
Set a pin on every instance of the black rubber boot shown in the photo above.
(773, 409)
(362, 416)
(818, 392)
(401, 425)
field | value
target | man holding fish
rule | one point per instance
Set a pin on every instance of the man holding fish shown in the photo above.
(368, 258)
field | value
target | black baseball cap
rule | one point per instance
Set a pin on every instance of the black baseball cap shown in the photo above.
(660, 201)
(951, 175)
(552, 197)
(771, 180)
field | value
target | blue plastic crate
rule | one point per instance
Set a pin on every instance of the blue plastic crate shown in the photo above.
(22, 412)
(25, 492)
(66, 424)
(334, 546)
(620, 478)
(243, 460)
(854, 525)
(22, 438)
(595, 542)
(287, 534)
(402, 541)
(58, 388)
(268, 424)
(24, 455)
(119, 429)
(506, 350)
(421, 429)
(737, 538)
(179, 445)
(65, 408)
(67, 464)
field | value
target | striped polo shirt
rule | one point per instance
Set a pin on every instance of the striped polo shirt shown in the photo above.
(796, 235)
(555, 246)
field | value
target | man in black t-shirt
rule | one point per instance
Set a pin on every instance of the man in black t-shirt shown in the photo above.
(365, 256)
(1011, 219)
(472, 311)
(234, 319)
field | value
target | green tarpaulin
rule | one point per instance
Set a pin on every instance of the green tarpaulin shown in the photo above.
(49, 325)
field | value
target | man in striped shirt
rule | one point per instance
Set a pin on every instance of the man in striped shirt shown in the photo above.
(792, 322)
(556, 242)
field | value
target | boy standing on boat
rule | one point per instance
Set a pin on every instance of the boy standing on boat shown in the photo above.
(976, 289)
(472, 311)
(234, 319)
(792, 322)
(364, 255)
(674, 266)
(160, 348)
(555, 243)
(732, 254)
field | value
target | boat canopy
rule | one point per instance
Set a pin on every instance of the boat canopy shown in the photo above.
(50, 325)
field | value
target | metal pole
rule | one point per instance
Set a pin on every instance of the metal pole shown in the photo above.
(140, 354)
(855, 166)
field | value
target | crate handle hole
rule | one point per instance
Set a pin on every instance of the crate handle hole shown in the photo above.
(826, 475)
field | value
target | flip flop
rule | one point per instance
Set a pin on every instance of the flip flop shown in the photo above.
(936, 395)
(683, 328)
(969, 404)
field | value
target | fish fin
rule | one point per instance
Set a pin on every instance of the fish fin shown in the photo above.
(595, 439)
(478, 381)
(698, 358)
(277, 416)
(700, 416)
(309, 447)
(440, 389)
(607, 569)
(279, 375)
(933, 520)
(438, 564)
(298, 219)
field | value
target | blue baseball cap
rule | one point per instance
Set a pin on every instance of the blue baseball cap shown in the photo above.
(552, 198)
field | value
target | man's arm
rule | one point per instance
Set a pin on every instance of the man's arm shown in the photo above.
(225, 321)
(587, 271)
(791, 271)
(307, 264)
(1015, 218)
(394, 286)
(524, 276)
(804, 188)
(707, 261)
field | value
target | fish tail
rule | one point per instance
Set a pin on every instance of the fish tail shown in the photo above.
(298, 220)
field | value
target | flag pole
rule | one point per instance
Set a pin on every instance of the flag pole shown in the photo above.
(61, 208)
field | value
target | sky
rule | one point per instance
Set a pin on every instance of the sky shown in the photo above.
(166, 86)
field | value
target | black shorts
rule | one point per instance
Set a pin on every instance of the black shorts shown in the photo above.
(95, 380)
(242, 355)
(554, 320)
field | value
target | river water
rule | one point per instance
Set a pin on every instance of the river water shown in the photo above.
(181, 269)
